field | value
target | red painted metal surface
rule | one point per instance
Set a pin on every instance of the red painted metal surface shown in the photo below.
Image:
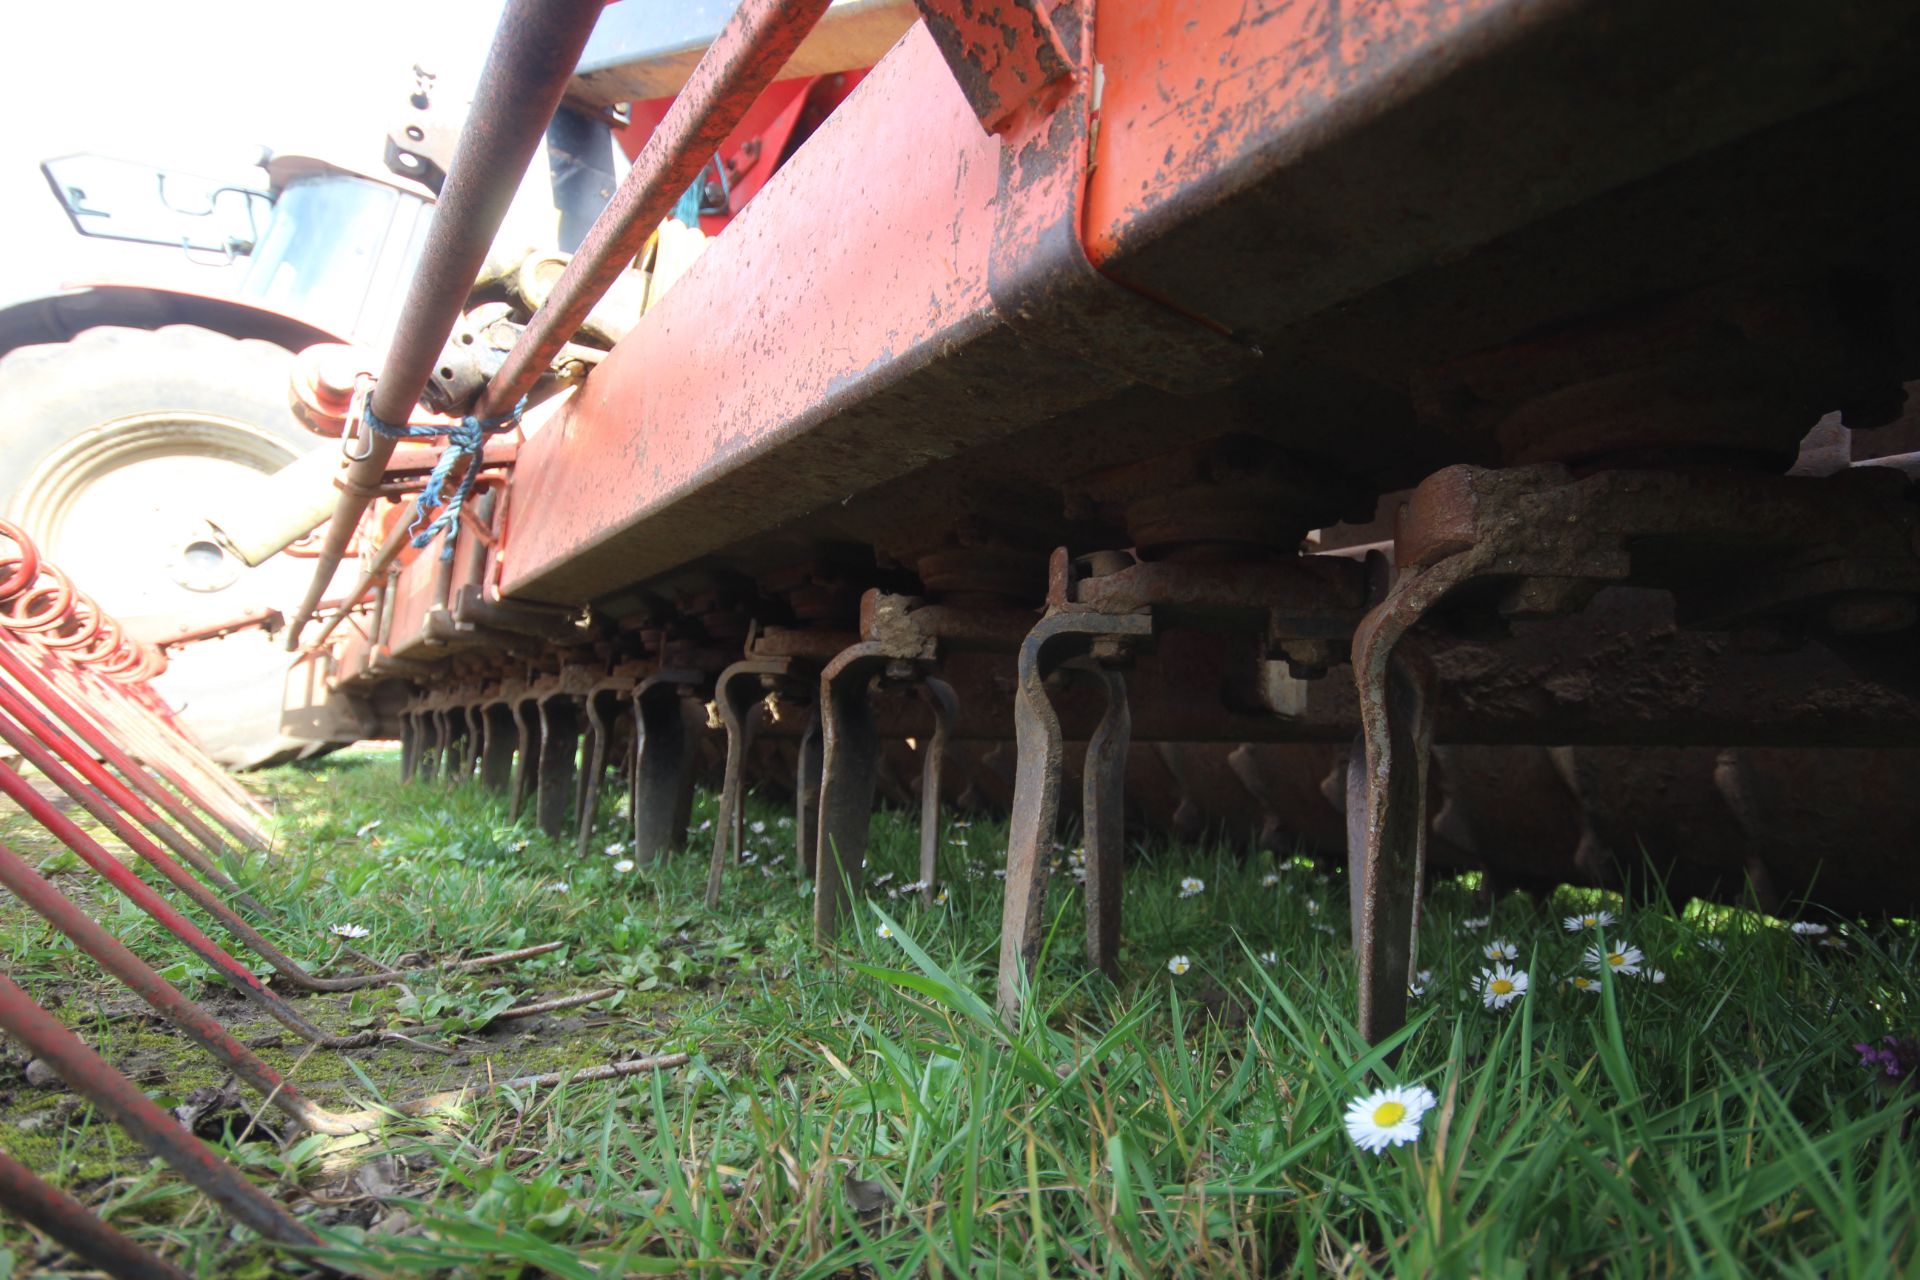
(894, 282)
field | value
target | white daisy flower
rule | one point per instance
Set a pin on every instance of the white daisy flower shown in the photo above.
(999, 873)
(615, 849)
(1623, 958)
(1269, 958)
(624, 865)
(1313, 906)
(516, 846)
(367, 829)
(1499, 949)
(883, 932)
(348, 931)
(1656, 976)
(940, 896)
(1178, 965)
(1807, 928)
(758, 828)
(882, 878)
(1581, 982)
(783, 823)
(1388, 1117)
(1592, 920)
(1476, 922)
(1418, 987)
(1500, 986)
(558, 886)
(1269, 880)
(1837, 943)
(706, 825)
(1192, 885)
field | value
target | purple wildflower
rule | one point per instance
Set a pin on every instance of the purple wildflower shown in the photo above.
(1896, 1058)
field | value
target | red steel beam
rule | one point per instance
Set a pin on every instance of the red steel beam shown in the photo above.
(1255, 166)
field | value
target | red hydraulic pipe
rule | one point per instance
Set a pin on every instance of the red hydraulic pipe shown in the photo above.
(76, 1227)
(534, 52)
(89, 1075)
(742, 61)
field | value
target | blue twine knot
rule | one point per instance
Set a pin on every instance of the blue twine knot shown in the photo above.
(465, 439)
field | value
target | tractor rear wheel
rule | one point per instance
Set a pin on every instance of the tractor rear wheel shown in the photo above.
(117, 440)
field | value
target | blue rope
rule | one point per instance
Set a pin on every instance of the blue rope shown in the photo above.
(465, 439)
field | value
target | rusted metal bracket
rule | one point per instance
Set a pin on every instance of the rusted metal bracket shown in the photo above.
(1005, 54)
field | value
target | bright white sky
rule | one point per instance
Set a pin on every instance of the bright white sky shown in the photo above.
(195, 84)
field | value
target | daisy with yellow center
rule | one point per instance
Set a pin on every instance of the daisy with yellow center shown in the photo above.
(1592, 920)
(1499, 949)
(883, 932)
(1191, 886)
(1388, 1117)
(1581, 982)
(1620, 957)
(1500, 986)
(1178, 965)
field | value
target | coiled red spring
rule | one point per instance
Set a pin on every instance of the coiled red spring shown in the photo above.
(40, 603)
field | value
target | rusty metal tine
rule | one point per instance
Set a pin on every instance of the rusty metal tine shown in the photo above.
(200, 1026)
(143, 896)
(176, 875)
(89, 1075)
(559, 763)
(939, 695)
(496, 755)
(39, 740)
(526, 758)
(428, 767)
(660, 763)
(1040, 749)
(43, 693)
(849, 753)
(593, 774)
(1031, 825)
(734, 694)
(806, 797)
(1102, 823)
(409, 745)
(77, 1228)
(475, 737)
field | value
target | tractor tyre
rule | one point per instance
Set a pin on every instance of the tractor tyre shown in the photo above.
(116, 442)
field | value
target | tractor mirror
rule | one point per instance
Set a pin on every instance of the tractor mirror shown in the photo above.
(127, 200)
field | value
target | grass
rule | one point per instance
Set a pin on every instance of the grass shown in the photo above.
(866, 1114)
